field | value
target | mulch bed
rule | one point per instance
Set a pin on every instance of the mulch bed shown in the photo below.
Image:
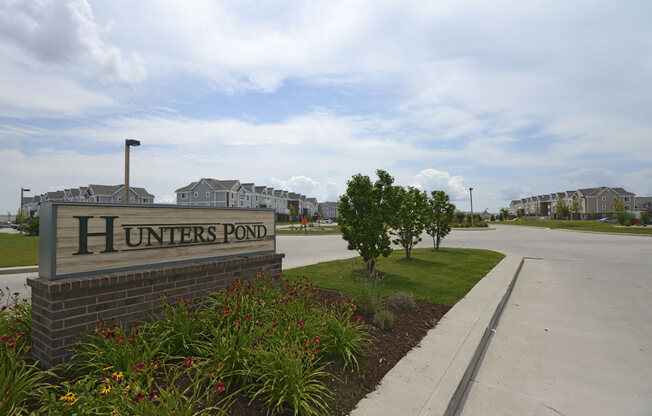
(348, 387)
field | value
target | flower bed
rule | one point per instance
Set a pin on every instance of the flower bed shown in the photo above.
(275, 346)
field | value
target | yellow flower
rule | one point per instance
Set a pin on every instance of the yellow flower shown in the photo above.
(128, 387)
(107, 368)
(79, 381)
(114, 413)
(105, 389)
(117, 375)
(69, 397)
(63, 383)
(71, 403)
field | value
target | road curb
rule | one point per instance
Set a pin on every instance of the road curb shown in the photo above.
(16, 270)
(578, 231)
(432, 378)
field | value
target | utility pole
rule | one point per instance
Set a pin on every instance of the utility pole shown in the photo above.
(471, 196)
(128, 143)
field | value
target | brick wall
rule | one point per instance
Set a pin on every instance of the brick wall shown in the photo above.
(64, 309)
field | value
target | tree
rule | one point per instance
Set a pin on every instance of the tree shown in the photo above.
(459, 216)
(320, 213)
(504, 214)
(293, 212)
(365, 214)
(439, 217)
(576, 206)
(561, 208)
(618, 205)
(20, 219)
(409, 220)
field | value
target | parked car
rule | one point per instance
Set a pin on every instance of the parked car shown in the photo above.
(608, 220)
(325, 221)
(5, 224)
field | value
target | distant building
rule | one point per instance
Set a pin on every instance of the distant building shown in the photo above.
(329, 210)
(209, 192)
(595, 202)
(90, 193)
(643, 203)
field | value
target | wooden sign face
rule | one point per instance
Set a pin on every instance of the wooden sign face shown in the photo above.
(78, 239)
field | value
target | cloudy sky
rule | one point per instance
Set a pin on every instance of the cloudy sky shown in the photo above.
(509, 97)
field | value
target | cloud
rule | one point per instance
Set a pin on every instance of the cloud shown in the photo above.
(25, 95)
(510, 192)
(66, 33)
(299, 184)
(586, 178)
(433, 179)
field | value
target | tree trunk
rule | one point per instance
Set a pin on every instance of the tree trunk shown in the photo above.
(438, 240)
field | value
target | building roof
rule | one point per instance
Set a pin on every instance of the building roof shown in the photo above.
(312, 200)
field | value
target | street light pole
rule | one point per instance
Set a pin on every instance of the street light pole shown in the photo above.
(128, 143)
(21, 196)
(471, 196)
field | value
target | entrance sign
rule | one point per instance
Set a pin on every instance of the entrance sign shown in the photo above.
(88, 238)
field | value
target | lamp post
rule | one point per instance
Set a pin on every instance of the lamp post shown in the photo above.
(128, 143)
(21, 196)
(471, 196)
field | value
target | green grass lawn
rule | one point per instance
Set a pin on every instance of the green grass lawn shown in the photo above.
(18, 250)
(437, 277)
(330, 229)
(581, 226)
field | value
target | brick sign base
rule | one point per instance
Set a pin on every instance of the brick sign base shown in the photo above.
(64, 309)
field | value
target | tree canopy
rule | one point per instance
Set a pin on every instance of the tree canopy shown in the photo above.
(439, 217)
(366, 211)
(410, 217)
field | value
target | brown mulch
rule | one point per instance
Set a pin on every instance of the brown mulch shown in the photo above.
(348, 387)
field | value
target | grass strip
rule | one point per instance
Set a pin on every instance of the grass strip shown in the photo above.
(437, 277)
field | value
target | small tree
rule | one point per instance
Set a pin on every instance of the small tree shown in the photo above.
(409, 219)
(20, 219)
(576, 207)
(440, 216)
(320, 213)
(459, 216)
(365, 213)
(561, 208)
(293, 212)
(618, 205)
(504, 214)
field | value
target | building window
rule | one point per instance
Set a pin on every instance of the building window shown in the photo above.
(628, 207)
(208, 193)
(132, 199)
(604, 207)
(184, 196)
(196, 194)
(626, 199)
(119, 199)
(604, 198)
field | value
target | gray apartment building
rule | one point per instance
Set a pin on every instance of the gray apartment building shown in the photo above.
(209, 192)
(595, 202)
(329, 210)
(90, 193)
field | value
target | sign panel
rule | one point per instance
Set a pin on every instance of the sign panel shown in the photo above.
(82, 238)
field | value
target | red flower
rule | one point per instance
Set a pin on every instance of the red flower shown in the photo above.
(300, 323)
(16, 294)
(121, 339)
(358, 318)
(226, 312)
(138, 367)
(4, 308)
(317, 340)
(138, 397)
(281, 275)
(188, 361)
(247, 316)
(219, 387)
(110, 334)
(187, 301)
(16, 321)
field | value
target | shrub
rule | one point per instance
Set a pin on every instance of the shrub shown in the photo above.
(645, 218)
(178, 328)
(20, 379)
(402, 300)
(31, 227)
(384, 319)
(626, 218)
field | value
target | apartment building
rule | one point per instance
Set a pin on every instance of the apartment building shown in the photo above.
(232, 193)
(90, 193)
(595, 202)
(329, 210)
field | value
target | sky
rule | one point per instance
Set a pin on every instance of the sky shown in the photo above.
(511, 98)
